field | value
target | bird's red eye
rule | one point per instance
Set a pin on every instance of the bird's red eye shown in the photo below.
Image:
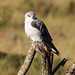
(28, 15)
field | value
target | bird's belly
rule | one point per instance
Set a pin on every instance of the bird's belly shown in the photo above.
(33, 33)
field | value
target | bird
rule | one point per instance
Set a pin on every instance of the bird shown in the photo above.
(36, 30)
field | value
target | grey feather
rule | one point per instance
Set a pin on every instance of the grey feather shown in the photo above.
(45, 34)
(41, 26)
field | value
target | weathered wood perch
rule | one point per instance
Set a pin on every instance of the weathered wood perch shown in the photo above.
(29, 58)
(46, 60)
(61, 64)
(71, 70)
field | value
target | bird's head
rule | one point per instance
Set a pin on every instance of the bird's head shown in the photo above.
(30, 15)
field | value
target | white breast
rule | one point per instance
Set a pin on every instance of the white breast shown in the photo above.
(32, 32)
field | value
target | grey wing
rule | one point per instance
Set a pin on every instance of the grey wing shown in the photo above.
(45, 34)
(41, 26)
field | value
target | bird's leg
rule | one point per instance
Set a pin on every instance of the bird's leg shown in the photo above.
(43, 47)
(46, 49)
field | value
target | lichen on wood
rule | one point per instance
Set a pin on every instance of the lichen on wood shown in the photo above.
(46, 59)
(71, 70)
(26, 65)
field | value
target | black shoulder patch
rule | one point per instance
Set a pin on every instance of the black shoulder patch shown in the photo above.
(34, 24)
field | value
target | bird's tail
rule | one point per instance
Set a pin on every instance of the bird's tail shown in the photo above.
(53, 48)
(55, 51)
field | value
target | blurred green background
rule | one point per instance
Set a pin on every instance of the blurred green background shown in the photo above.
(59, 17)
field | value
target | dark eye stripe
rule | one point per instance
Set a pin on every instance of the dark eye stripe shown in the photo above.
(28, 15)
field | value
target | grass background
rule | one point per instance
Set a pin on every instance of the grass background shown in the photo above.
(59, 17)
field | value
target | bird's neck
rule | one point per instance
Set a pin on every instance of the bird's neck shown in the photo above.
(29, 20)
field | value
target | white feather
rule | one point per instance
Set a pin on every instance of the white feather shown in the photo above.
(32, 32)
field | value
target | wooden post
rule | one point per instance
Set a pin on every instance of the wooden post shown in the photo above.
(61, 64)
(46, 60)
(71, 70)
(26, 65)
(43, 64)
